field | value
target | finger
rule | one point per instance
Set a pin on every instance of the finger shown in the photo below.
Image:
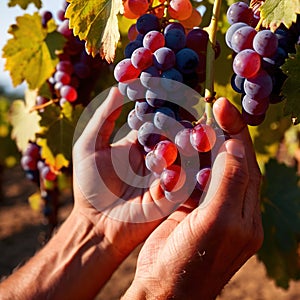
(230, 120)
(229, 181)
(101, 125)
(227, 116)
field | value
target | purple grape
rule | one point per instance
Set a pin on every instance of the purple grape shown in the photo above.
(164, 58)
(265, 43)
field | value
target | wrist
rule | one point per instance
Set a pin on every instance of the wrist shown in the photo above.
(74, 264)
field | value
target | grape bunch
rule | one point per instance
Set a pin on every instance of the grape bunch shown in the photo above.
(39, 172)
(258, 55)
(161, 73)
(76, 73)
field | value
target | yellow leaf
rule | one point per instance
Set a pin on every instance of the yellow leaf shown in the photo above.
(25, 122)
(56, 162)
(96, 22)
(35, 201)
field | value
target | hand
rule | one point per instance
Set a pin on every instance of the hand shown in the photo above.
(111, 183)
(194, 252)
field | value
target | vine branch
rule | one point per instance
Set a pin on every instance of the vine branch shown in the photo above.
(210, 60)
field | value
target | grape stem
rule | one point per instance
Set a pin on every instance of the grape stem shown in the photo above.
(41, 106)
(210, 60)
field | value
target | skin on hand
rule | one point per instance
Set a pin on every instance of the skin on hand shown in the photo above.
(194, 253)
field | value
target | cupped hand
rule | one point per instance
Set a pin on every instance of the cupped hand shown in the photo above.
(194, 252)
(111, 183)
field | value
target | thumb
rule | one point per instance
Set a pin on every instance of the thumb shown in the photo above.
(100, 119)
(229, 179)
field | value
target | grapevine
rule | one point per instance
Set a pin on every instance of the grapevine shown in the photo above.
(166, 66)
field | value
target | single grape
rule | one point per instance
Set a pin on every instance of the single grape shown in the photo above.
(28, 163)
(154, 163)
(260, 86)
(141, 58)
(68, 92)
(133, 121)
(231, 30)
(156, 97)
(265, 43)
(154, 40)
(193, 20)
(239, 12)
(150, 77)
(197, 40)
(203, 137)
(143, 110)
(146, 23)
(243, 38)
(46, 16)
(175, 39)
(255, 107)
(138, 7)
(180, 9)
(202, 178)
(183, 142)
(247, 63)
(125, 71)
(174, 25)
(167, 150)
(62, 77)
(135, 90)
(187, 60)
(149, 135)
(164, 58)
(164, 118)
(172, 178)
(47, 174)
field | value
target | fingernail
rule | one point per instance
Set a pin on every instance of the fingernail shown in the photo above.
(235, 148)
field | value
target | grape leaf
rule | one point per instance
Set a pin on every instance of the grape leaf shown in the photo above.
(35, 201)
(281, 222)
(55, 161)
(24, 121)
(96, 22)
(58, 129)
(291, 87)
(275, 12)
(30, 54)
(24, 3)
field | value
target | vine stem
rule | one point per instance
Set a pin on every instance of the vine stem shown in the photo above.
(210, 60)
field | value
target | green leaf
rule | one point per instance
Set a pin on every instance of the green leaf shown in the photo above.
(281, 222)
(30, 54)
(291, 87)
(24, 121)
(96, 22)
(275, 12)
(24, 3)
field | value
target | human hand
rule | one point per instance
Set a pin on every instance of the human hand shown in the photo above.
(111, 183)
(194, 252)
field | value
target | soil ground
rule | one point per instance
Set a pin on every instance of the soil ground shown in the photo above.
(21, 231)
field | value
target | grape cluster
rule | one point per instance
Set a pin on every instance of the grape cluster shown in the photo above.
(162, 69)
(76, 71)
(257, 60)
(39, 172)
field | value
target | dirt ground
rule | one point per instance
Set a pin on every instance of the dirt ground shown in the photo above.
(21, 231)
